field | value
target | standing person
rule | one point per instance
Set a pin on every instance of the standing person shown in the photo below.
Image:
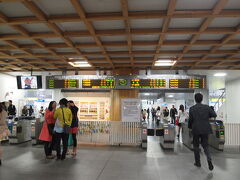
(47, 134)
(148, 113)
(30, 111)
(41, 112)
(153, 111)
(11, 109)
(144, 113)
(166, 112)
(182, 116)
(199, 115)
(74, 126)
(3, 128)
(64, 120)
(158, 115)
(24, 111)
(173, 113)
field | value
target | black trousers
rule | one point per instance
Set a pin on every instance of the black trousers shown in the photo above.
(203, 139)
(64, 138)
(173, 120)
(48, 147)
(74, 137)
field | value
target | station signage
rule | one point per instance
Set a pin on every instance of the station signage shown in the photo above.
(127, 82)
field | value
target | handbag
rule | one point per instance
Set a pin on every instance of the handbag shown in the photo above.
(50, 128)
(66, 128)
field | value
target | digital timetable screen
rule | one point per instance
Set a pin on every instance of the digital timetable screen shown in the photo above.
(148, 83)
(60, 84)
(98, 83)
(187, 83)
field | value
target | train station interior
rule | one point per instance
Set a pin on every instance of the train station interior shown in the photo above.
(109, 89)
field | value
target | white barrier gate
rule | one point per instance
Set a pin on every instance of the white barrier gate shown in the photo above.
(109, 132)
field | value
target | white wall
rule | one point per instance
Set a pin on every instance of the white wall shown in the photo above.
(8, 89)
(233, 101)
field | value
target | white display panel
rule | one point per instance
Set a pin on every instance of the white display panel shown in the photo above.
(131, 110)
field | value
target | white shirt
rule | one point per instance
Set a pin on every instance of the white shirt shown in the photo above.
(182, 116)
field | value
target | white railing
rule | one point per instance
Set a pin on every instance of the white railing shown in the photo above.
(125, 133)
(232, 134)
(109, 132)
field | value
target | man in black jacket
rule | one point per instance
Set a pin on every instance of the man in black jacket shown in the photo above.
(173, 113)
(11, 109)
(199, 116)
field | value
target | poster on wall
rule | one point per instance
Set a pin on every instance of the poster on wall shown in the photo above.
(131, 110)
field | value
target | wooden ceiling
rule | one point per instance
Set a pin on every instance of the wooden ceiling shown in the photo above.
(44, 35)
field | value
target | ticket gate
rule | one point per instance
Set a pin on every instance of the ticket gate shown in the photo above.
(167, 138)
(187, 137)
(144, 135)
(217, 138)
(21, 131)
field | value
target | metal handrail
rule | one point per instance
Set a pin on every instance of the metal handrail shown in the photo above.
(220, 98)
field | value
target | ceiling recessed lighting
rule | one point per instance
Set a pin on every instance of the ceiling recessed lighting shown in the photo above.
(170, 96)
(164, 62)
(146, 94)
(220, 74)
(80, 64)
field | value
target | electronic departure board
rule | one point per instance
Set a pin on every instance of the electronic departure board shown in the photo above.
(98, 83)
(60, 84)
(187, 83)
(148, 83)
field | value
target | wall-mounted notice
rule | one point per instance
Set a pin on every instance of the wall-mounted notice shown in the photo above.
(131, 110)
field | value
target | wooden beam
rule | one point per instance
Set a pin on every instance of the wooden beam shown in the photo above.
(124, 4)
(166, 23)
(216, 10)
(78, 7)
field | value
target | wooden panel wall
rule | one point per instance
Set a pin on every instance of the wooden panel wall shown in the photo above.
(116, 96)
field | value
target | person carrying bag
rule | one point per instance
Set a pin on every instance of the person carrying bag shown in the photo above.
(62, 128)
(47, 132)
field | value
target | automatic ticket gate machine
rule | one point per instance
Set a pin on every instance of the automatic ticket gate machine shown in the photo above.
(165, 131)
(217, 138)
(21, 131)
(167, 138)
(187, 136)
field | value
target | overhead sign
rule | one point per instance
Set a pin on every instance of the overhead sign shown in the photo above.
(187, 83)
(98, 83)
(126, 82)
(62, 84)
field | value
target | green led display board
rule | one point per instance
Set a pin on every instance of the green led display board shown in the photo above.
(98, 83)
(148, 83)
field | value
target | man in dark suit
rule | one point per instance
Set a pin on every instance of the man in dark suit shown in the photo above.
(199, 116)
(173, 113)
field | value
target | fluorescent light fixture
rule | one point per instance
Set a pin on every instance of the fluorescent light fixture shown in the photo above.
(146, 94)
(220, 74)
(170, 96)
(165, 62)
(80, 64)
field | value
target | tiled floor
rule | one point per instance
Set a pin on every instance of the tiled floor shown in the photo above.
(24, 162)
